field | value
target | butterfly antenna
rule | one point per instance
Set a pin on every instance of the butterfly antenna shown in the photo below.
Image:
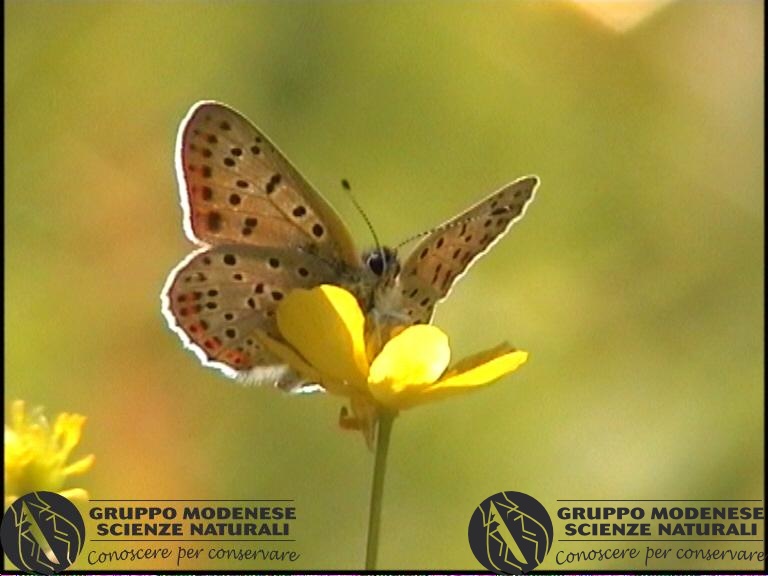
(447, 226)
(415, 237)
(348, 189)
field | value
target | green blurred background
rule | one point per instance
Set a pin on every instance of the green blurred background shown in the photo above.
(635, 280)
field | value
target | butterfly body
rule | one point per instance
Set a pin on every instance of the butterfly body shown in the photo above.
(262, 230)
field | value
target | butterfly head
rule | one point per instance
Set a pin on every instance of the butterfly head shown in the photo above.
(381, 261)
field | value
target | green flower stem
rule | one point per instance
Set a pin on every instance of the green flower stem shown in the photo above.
(379, 469)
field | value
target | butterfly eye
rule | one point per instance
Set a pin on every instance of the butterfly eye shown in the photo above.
(376, 262)
(381, 261)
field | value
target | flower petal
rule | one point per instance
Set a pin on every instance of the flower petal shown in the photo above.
(470, 374)
(67, 431)
(326, 326)
(75, 494)
(470, 362)
(288, 355)
(79, 467)
(416, 357)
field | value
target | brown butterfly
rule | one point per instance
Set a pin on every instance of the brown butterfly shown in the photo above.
(262, 230)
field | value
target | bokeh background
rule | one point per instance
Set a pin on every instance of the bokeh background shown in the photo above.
(635, 279)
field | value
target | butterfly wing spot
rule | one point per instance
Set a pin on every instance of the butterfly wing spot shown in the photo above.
(214, 221)
(212, 343)
(318, 230)
(229, 259)
(437, 273)
(206, 192)
(273, 183)
(235, 199)
(299, 211)
(250, 223)
(274, 263)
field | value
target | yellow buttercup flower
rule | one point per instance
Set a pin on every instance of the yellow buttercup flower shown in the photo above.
(325, 330)
(36, 454)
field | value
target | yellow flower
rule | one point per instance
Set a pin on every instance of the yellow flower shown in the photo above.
(36, 454)
(325, 329)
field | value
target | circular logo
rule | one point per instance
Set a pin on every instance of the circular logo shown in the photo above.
(510, 532)
(42, 532)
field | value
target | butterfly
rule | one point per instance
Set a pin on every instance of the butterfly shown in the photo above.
(262, 230)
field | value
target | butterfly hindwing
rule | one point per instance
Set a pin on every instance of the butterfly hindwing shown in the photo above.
(221, 300)
(237, 187)
(437, 262)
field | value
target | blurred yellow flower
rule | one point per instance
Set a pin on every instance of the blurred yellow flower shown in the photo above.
(36, 454)
(325, 329)
(620, 15)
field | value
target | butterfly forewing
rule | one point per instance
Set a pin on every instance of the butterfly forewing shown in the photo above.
(439, 260)
(238, 188)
